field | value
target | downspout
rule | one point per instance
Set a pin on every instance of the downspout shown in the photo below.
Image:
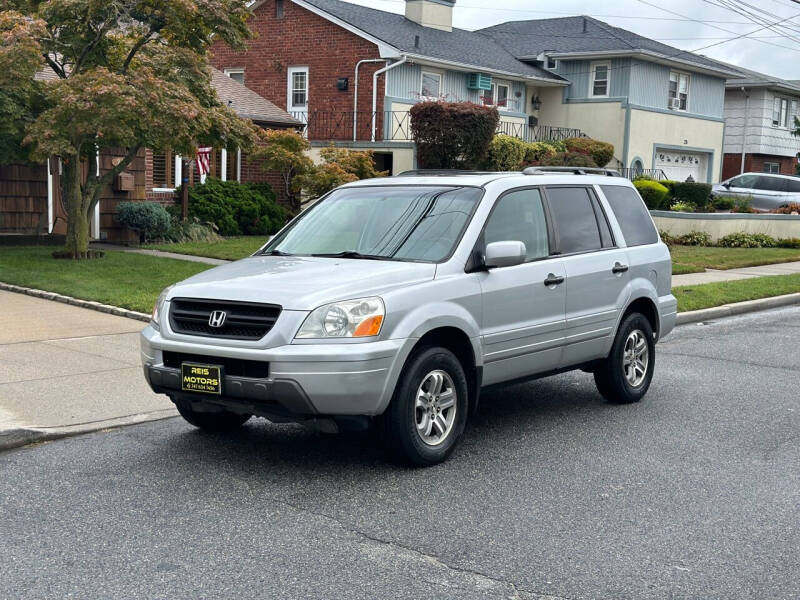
(355, 92)
(403, 59)
(744, 131)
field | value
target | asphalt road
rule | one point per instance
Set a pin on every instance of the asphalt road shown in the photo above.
(693, 493)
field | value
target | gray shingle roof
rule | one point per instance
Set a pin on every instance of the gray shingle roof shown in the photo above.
(584, 34)
(459, 45)
(247, 104)
(755, 79)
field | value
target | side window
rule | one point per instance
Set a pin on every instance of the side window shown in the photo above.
(794, 186)
(519, 217)
(744, 181)
(771, 184)
(574, 219)
(631, 214)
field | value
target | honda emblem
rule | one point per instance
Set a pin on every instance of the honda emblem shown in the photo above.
(217, 319)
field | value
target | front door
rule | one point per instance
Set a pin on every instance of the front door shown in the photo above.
(297, 93)
(523, 318)
(597, 272)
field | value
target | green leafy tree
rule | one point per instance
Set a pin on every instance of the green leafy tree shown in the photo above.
(129, 74)
(284, 151)
(339, 166)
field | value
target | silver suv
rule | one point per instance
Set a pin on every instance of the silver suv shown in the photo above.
(766, 191)
(394, 301)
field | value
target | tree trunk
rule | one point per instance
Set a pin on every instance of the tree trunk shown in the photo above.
(77, 216)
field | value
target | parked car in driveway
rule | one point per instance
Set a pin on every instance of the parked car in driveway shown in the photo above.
(767, 191)
(395, 301)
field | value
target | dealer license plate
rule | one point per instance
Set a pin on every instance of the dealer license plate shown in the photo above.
(206, 379)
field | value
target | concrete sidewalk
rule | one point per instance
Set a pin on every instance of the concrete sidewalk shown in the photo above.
(65, 369)
(120, 248)
(714, 275)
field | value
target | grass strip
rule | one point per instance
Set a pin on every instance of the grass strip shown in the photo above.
(232, 248)
(696, 259)
(708, 295)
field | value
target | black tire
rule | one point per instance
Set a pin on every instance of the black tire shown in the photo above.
(610, 374)
(401, 434)
(212, 421)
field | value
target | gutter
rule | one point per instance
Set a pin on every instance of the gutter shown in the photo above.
(599, 55)
(386, 69)
(355, 92)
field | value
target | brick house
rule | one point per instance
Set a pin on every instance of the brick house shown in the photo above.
(30, 193)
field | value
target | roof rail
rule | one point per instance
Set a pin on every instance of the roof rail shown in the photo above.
(571, 170)
(447, 173)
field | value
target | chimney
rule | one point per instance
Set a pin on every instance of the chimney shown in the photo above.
(437, 14)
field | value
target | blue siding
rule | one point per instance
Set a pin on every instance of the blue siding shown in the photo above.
(578, 72)
(405, 80)
(650, 88)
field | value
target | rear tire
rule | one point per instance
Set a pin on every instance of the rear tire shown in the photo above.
(212, 421)
(625, 376)
(428, 412)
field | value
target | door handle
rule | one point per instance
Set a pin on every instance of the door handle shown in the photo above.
(553, 280)
(619, 268)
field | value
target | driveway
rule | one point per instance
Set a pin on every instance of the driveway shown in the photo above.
(64, 366)
(554, 494)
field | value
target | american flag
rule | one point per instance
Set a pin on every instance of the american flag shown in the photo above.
(204, 161)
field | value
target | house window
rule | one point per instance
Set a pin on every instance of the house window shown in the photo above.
(298, 89)
(678, 91)
(552, 63)
(772, 167)
(600, 78)
(497, 96)
(780, 112)
(163, 171)
(279, 9)
(431, 85)
(236, 74)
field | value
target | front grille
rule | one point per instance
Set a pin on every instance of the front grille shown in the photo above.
(243, 320)
(232, 366)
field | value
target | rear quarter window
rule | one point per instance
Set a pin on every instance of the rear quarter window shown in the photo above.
(631, 214)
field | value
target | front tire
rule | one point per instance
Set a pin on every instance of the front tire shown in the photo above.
(212, 421)
(625, 376)
(428, 412)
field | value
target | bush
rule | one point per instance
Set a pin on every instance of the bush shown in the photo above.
(743, 205)
(694, 238)
(339, 166)
(789, 209)
(653, 193)
(149, 219)
(723, 202)
(452, 135)
(668, 238)
(789, 243)
(506, 153)
(568, 159)
(693, 193)
(643, 177)
(236, 208)
(601, 152)
(535, 152)
(191, 231)
(683, 207)
(747, 240)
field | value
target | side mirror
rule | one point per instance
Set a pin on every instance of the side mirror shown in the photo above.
(504, 254)
(727, 185)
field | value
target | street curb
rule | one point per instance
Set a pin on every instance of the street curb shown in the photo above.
(738, 308)
(23, 436)
(90, 304)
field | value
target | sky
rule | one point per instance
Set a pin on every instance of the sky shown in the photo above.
(701, 23)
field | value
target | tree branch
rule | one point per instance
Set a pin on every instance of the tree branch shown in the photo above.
(55, 66)
(134, 50)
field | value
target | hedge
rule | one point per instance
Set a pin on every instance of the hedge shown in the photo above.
(601, 152)
(655, 195)
(506, 153)
(149, 219)
(698, 194)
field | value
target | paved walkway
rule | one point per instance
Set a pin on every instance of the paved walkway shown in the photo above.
(189, 257)
(713, 275)
(67, 367)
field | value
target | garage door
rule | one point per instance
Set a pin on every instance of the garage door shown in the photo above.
(679, 165)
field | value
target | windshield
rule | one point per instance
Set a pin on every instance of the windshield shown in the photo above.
(387, 223)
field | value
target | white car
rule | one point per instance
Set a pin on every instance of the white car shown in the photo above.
(767, 191)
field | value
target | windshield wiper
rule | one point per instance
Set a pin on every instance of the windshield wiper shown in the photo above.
(353, 254)
(275, 253)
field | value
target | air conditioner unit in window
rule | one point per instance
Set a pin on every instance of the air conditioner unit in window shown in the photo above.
(675, 103)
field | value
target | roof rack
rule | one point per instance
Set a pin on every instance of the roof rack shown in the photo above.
(571, 170)
(447, 172)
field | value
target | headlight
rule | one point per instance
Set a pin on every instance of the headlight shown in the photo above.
(157, 309)
(353, 318)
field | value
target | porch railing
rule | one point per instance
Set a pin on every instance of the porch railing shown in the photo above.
(632, 173)
(395, 126)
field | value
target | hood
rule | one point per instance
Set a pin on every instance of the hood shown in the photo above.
(301, 283)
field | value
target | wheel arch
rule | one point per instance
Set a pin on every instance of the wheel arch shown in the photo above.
(647, 307)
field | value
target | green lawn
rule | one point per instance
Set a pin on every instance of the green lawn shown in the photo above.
(232, 248)
(121, 279)
(696, 259)
(695, 297)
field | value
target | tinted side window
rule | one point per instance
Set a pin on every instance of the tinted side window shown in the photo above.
(744, 181)
(632, 215)
(574, 219)
(771, 184)
(794, 186)
(519, 217)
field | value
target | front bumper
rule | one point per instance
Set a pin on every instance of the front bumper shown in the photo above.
(304, 380)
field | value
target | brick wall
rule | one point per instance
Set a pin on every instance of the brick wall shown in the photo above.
(302, 38)
(732, 164)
